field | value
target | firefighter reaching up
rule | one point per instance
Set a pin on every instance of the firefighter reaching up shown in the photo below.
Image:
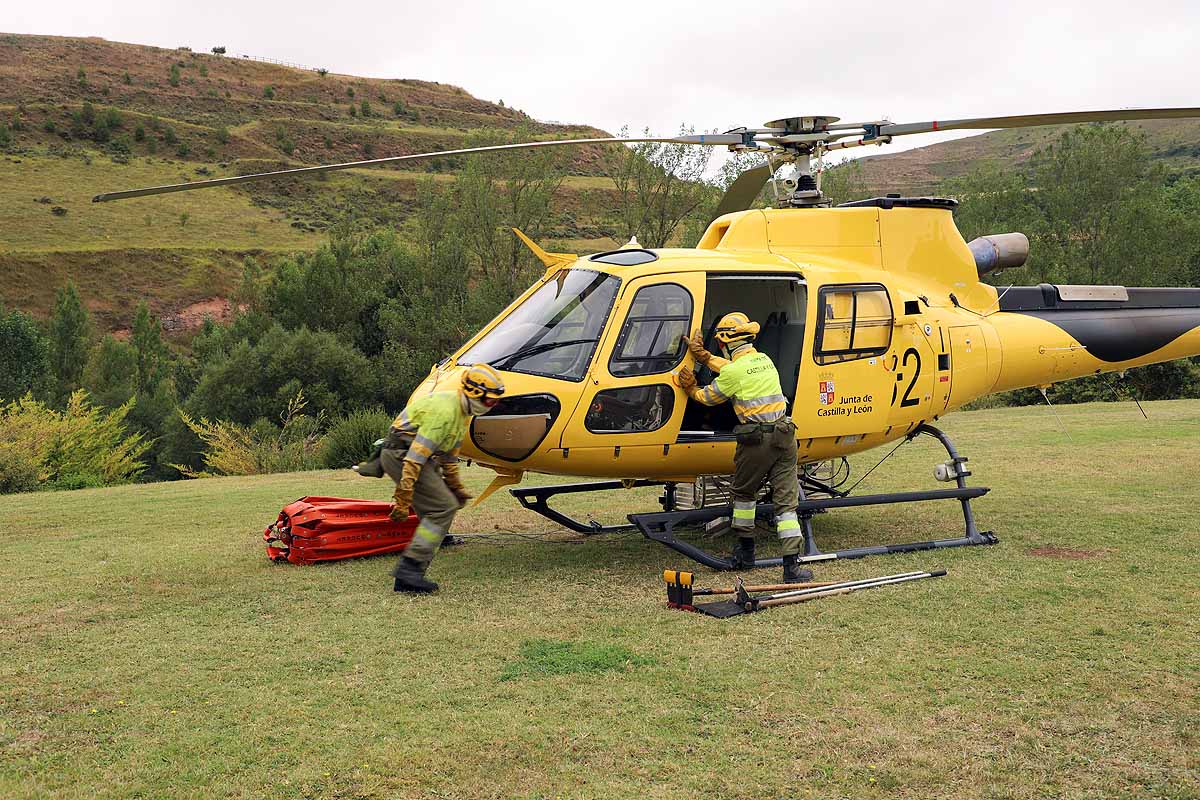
(766, 438)
(420, 453)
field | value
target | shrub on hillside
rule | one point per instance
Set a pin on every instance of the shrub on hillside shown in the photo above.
(258, 449)
(351, 438)
(18, 471)
(81, 441)
(71, 482)
(284, 141)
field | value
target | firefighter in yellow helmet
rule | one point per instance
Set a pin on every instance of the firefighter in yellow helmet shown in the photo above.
(420, 454)
(766, 437)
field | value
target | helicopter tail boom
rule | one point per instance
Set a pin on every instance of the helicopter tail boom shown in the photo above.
(1054, 333)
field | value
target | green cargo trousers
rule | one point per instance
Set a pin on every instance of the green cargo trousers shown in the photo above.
(433, 501)
(768, 453)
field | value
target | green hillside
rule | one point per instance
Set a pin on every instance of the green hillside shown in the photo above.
(1174, 142)
(81, 116)
(151, 650)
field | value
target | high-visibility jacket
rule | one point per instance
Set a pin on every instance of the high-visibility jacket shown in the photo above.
(437, 423)
(751, 381)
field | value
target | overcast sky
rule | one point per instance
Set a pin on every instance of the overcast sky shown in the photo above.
(713, 65)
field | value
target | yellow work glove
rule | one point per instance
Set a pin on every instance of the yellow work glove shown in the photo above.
(686, 379)
(454, 482)
(404, 491)
(695, 346)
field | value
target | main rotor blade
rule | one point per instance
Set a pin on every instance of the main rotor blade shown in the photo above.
(703, 139)
(744, 190)
(1030, 120)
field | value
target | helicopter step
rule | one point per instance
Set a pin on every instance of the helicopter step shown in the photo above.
(536, 498)
(661, 526)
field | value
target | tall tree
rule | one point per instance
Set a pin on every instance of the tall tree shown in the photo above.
(658, 187)
(498, 192)
(110, 376)
(24, 357)
(1103, 213)
(70, 340)
(153, 358)
(1093, 205)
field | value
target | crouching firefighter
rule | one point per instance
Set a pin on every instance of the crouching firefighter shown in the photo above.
(766, 438)
(420, 453)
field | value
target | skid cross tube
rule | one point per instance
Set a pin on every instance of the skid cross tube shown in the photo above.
(535, 498)
(661, 526)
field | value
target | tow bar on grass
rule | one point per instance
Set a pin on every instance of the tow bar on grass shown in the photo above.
(680, 592)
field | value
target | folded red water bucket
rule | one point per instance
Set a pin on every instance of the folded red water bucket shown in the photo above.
(316, 529)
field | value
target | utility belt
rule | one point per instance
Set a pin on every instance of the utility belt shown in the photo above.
(397, 439)
(753, 433)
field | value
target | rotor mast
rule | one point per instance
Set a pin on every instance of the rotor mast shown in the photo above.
(796, 140)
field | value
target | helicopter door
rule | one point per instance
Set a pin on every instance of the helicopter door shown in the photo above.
(778, 304)
(969, 360)
(630, 406)
(862, 373)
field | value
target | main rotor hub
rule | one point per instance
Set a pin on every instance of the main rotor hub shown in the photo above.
(802, 124)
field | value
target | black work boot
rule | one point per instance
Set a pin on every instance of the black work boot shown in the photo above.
(410, 577)
(743, 552)
(792, 573)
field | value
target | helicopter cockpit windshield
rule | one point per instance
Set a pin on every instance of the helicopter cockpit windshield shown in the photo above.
(555, 331)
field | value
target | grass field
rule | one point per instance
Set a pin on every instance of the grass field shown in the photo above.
(150, 650)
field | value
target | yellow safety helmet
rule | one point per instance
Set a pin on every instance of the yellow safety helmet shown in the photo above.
(736, 328)
(483, 383)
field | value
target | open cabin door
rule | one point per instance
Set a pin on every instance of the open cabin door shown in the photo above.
(630, 407)
(778, 303)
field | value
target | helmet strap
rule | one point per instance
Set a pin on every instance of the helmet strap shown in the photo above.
(476, 406)
(737, 347)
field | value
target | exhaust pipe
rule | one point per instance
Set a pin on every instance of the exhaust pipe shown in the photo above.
(999, 251)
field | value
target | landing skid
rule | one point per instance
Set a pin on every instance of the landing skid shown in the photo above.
(536, 498)
(661, 526)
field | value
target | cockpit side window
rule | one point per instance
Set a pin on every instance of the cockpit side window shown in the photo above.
(650, 340)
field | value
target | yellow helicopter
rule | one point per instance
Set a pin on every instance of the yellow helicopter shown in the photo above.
(874, 312)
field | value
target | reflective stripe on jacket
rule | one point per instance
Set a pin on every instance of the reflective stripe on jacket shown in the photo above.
(751, 381)
(437, 424)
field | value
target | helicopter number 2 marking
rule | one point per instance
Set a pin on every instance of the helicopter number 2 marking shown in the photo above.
(897, 362)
